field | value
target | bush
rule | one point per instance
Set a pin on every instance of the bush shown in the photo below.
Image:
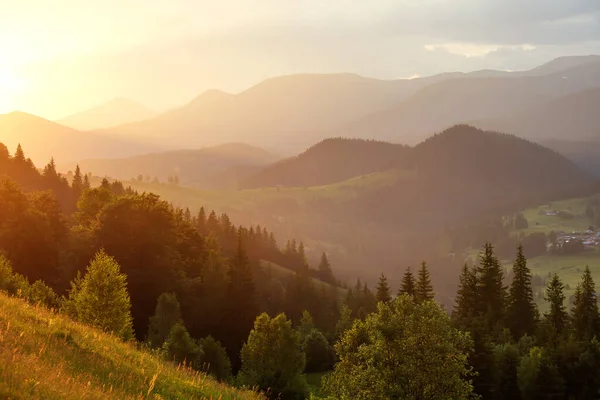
(272, 360)
(181, 347)
(320, 356)
(12, 283)
(40, 293)
(214, 358)
(167, 315)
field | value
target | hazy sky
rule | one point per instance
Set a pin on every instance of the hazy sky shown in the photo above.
(58, 57)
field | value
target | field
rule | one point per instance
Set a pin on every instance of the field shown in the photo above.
(47, 356)
(546, 223)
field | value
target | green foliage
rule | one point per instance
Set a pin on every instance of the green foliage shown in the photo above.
(539, 378)
(383, 290)
(520, 222)
(584, 315)
(344, 323)
(320, 356)
(556, 316)
(490, 289)
(380, 358)
(306, 325)
(325, 271)
(100, 299)
(40, 293)
(167, 315)
(506, 362)
(51, 357)
(408, 285)
(424, 289)
(521, 314)
(214, 359)
(465, 305)
(180, 347)
(10, 282)
(272, 360)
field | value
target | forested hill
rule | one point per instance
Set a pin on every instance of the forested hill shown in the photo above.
(464, 171)
(330, 161)
(194, 167)
(573, 117)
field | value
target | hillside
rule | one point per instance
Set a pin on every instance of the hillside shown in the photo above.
(463, 100)
(115, 112)
(329, 161)
(202, 167)
(572, 117)
(47, 356)
(585, 153)
(62, 143)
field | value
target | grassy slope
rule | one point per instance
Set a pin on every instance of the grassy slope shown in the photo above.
(47, 356)
(250, 198)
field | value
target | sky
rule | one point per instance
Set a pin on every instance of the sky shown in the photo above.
(63, 56)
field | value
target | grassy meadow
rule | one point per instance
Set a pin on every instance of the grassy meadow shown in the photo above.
(46, 356)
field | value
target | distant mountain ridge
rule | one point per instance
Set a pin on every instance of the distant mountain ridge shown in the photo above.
(288, 113)
(115, 112)
(44, 139)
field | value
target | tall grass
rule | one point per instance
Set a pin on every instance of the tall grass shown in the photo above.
(47, 356)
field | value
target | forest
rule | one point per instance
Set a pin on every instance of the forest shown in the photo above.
(202, 291)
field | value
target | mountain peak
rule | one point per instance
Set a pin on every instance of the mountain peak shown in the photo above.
(117, 111)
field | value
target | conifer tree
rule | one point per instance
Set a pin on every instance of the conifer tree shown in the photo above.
(383, 290)
(77, 183)
(556, 316)
(86, 182)
(325, 271)
(584, 314)
(19, 156)
(465, 306)
(167, 315)
(408, 285)
(101, 297)
(521, 313)
(490, 289)
(424, 289)
(241, 301)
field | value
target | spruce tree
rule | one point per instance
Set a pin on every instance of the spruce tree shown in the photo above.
(325, 271)
(490, 289)
(521, 313)
(585, 315)
(86, 182)
(465, 305)
(77, 183)
(383, 290)
(424, 289)
(19, 156)
(408, 285)
(556, 316)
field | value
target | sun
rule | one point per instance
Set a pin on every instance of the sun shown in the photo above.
(11, 85)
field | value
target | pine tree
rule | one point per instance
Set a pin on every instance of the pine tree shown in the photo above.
(408, 285)
(86, 182)
(424, 289)
(77, 183)
(383, 290)
(465, 306)
(325, 271)
(521, 313)
(584, 314)
(19, 155)
(556, 316)
(490, 289)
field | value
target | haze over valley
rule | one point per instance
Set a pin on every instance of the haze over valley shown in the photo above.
(335, 201)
